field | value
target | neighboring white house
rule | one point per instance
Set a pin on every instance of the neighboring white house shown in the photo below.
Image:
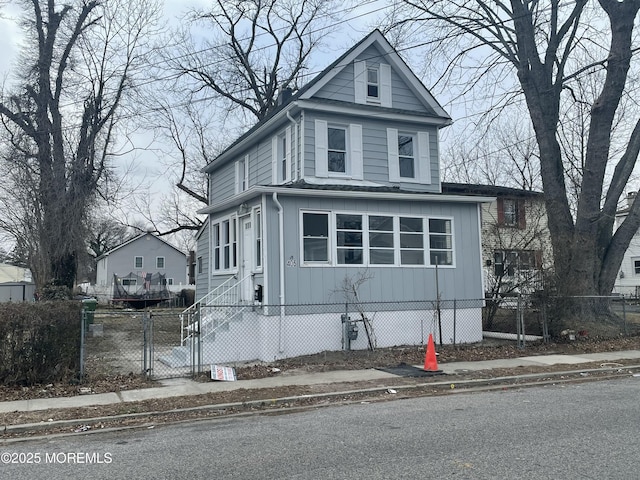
(133, 261)
(628, 282)
(342, 179)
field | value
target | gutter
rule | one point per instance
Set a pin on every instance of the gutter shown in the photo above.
(280, 266)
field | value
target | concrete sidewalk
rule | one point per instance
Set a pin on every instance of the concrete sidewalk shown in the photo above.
(184, 386)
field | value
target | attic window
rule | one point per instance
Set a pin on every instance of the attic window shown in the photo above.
(373, 83)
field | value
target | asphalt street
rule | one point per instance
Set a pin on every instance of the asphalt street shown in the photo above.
(571, 431)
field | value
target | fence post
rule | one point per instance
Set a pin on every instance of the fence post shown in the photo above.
(455, 318)
(83, 319)
(624, 317)
(520, 323)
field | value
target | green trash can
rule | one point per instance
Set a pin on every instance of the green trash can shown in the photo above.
(89, 306)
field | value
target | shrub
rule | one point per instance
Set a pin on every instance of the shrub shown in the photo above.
(39, 342)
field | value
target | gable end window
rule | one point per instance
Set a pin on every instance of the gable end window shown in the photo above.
(372, 83)
(138, 262)
(159, 262)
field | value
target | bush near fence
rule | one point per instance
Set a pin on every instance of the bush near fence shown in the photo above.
(40, 342)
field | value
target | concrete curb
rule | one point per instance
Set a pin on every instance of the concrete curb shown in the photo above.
(462, 386)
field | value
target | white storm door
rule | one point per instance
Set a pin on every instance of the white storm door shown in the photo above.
(246, 260)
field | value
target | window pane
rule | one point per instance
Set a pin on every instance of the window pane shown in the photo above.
(381, 240)
(372, 75)
(350, 256)
(407, 169)
(349, 239)
(315, 224)
(336, 162)
(410, 241)
(439, 226)
(381, 257)
(440, 242)
(405, 145)
(442, 258)
(410, 224)
(350, 222)
(411, 257)
(337, 139)
(316, 250)
(372, 91)
(381, 223)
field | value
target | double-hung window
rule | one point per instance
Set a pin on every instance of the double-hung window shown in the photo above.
(160, 262)
(138, 262)
(373, 84)
(315, 237)
(242, 174)
(225, 245)
(409, 159)
(338, 150)
(282, 156)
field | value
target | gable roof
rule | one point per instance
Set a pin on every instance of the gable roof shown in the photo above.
(134, 239)
(374, 38)
(306, 93)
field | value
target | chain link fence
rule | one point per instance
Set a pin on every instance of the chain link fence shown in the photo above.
(169, 342)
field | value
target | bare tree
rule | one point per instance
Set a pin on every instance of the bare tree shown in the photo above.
(80, 61)
(550, 46)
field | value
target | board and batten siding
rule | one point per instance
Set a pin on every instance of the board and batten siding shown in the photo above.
(375, 149)
(321, 284)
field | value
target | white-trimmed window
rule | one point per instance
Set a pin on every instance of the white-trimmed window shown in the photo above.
(636, 267)
(258, 237)
(160, 262)
(281, 156)
(315, 237)
(129, 282)
(372, 83)
(225, 245)
(338, 150)
(381, 240)
(200, 264)
(411, 241)
(138, 262)
(440, 241)
(409, 159)
(349, 238)
(242, 174)
(349, 246)
(167, 281)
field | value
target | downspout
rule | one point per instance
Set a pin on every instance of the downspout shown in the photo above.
(295, 156)
(281, 267)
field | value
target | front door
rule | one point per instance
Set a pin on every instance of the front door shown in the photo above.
(246, 259)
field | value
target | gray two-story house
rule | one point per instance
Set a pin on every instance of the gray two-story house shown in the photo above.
(342, 178)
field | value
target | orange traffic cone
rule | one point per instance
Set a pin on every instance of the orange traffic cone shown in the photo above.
(430, 362)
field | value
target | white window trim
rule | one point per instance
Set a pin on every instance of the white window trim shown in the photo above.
(276, 157)
(330, 256)
(257, 233)
(366, 261)
(633, 266)
(164, 263)
(233, 238)
(422, 157)
(242, 175)
(354, 151)
(141, 262)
